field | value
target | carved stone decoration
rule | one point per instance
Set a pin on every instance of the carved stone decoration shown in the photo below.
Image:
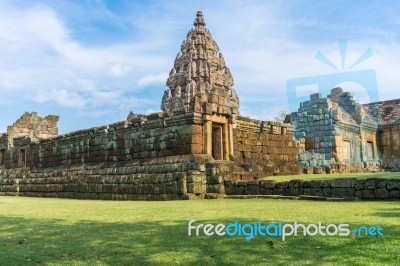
(200, 81)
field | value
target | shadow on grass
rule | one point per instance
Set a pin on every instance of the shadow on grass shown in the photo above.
(389, 213)
(48, 242)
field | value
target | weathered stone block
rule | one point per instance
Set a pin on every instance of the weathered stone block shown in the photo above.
(393, 184)
(313, 191)
(284, 184)
(359, 184)
(265, 191)
(172, 187)
(313, 184)
(214, 188)
(381, 193)
(380, 183)
(342, 183)
(368, 194)
(239, 190)
(214, 179)
(196, 148)
(295, 183)
(394, 194)
(277, 191)
(292, 191)
(267, 183)
(195, 187)
(194, 178)
(181, 186)
(327, 184)
(326, 191)
(370, 183)
(342, 192)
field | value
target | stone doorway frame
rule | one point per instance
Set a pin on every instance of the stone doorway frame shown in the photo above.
(224, 126)
(22, 157)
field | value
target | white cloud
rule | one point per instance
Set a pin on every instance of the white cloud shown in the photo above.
(62, 97)
(118, 70)
(157, 79)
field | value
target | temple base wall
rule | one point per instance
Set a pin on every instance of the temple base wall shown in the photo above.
(266, 147)
(346, 189)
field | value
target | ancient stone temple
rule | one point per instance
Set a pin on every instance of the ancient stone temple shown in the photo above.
(198, 146)
(189, 149)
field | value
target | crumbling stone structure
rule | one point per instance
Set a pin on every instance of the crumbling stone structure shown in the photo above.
(187, 150)
(29, 128)
(337, 134)
(199, 146)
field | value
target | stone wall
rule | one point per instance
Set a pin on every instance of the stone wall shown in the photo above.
(169, 178)
(143, 138)
(148, 157)
(267, 147)
(386, 112)
(346, 188)
(389, 139)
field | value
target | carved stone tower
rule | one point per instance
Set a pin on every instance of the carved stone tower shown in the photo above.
(201, 82)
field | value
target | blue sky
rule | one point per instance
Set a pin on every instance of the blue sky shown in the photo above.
(91, 62)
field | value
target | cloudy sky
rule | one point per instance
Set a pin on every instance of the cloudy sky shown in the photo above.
(91, 62)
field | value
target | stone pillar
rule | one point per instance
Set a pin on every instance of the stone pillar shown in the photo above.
(226, 141)
(375, 150)
(208, 138)
(363, 149)
(230, 129)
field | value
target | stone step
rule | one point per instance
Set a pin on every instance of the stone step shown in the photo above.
(320, 198)
(213, 196)
(259, 197)
(308, 197)
(301, 197)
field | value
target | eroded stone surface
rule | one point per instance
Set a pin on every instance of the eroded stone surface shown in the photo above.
(336, 133)
(200, 80)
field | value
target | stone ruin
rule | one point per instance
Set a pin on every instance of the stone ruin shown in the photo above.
(198, 146)
(337, 134)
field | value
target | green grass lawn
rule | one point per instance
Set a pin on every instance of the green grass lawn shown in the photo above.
(38, 231)
(333, 176)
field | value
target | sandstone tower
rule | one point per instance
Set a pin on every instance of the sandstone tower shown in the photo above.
(201, 82)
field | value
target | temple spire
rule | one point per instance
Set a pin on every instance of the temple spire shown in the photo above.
(200, 81)
(199, 22)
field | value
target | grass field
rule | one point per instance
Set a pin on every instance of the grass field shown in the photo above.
(38, 231)
(333, 176)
